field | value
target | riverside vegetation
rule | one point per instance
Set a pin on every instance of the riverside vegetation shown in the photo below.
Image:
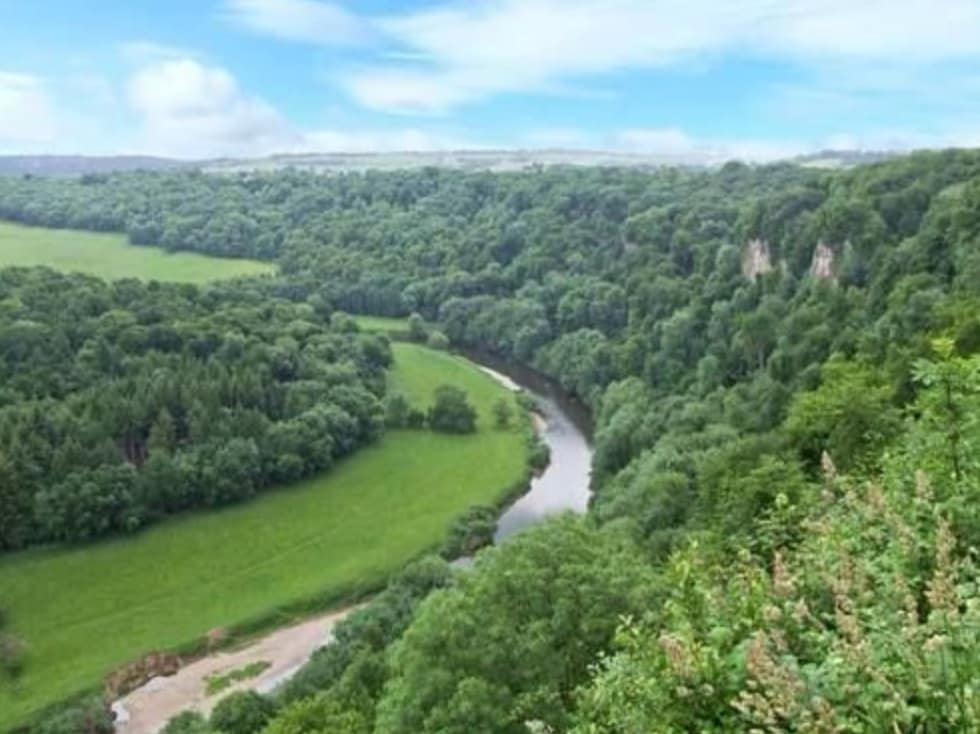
(183, 380)
(783, 366)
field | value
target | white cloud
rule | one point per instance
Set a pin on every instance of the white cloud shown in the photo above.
(471, 51)
(143, 51)
(190, 109)
(449, 53)
(920, 30)
(482, 49)
(307, 21)
(393, 89)
(26, 111)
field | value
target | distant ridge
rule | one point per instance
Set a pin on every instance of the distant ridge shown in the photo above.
(486, 160)
(76, 165)
(476, 160)
(479, 159)
(843, 158)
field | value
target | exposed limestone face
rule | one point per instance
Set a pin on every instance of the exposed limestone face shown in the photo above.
(756, 259)
(822, 264)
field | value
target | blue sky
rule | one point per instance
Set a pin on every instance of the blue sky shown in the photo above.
(694, 79)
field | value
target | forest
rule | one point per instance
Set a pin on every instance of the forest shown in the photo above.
(783, 367)
(125, 402)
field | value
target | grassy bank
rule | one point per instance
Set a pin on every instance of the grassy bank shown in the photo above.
(111, 256)
(85, 611)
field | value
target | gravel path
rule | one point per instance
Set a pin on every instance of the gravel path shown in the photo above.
(148, 709)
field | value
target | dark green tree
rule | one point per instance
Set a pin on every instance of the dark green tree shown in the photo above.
(451, 411)
(242, 712)
(502, 413)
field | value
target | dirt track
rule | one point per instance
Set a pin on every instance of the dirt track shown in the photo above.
(148, 709)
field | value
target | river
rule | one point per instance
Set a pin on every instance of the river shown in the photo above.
(564, 484)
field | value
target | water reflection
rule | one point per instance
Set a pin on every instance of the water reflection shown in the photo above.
(564, 484)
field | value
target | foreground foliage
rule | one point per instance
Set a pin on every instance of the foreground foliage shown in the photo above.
(512, 639)
(870, 622)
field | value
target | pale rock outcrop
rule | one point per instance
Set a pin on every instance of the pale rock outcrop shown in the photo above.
(822, 264)
(756, 259)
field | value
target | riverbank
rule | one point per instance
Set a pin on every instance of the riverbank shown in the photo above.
(564, 425)
(561, 486)
(280, 654)
(85, 611)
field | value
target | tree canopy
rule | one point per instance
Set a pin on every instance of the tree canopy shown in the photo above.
(781, 365)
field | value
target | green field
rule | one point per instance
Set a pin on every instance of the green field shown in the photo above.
(87, 610)
(381, 323)
(111, 256)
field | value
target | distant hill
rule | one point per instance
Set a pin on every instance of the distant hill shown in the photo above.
(843, 158)
(76, 165)
(483, 160)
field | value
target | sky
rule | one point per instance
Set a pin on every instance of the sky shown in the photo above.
(695, 79)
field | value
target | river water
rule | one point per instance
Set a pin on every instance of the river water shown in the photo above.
(564, 484)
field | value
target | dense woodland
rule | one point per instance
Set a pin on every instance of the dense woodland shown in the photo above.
(783, 367)
(125, 402)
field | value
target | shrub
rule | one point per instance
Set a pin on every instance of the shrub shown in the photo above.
(397, 410)
(188, 722)
(472, 531)
(415, 419)
(243, 712)
(89, 716)
(321, 713)
(438, 340)
(502, 412)
(452, 412)
(416, 328)
(539, 453)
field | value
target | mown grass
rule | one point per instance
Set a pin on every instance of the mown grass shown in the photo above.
(84, 611)
(111, 256)
(382, 323)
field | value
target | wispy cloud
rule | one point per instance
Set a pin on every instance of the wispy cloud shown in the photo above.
(306, 21)
(142, 51)
(853, 66)
(455, 53)
(190, 109)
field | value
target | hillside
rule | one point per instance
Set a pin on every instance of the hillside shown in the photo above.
(782, 365)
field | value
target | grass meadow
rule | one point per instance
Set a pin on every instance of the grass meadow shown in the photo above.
(111, 256)
(84, 611)
(383, 324)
